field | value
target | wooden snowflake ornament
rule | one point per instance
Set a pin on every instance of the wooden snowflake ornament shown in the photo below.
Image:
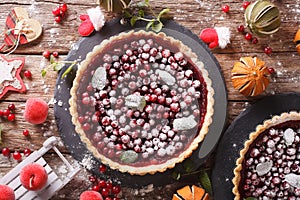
(10, 75)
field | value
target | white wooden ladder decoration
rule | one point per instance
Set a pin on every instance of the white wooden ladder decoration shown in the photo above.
(54, 183)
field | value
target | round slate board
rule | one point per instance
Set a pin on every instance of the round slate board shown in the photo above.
(62, 95)
(238, 132)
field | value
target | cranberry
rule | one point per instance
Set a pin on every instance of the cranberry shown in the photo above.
(1, 113)
(105, 192)
(109, 185)
(241, 28)
(268, 50)
(11, 117)
(63, 7)
(102, 168)
(246, 4)
(57, 19)
(46, 54)
(26, 132)
(11, 107)
(86, 126)
(56, 11)
(102, 183)
(6, 112)
(271, 70)
(116, 189)
(248, 36)
(5, 151)
(27, 152)
(96, 188)
(17, 156)
(55, 54)
(254, 40)
(225, 8)
(27, 74)
(92, 179)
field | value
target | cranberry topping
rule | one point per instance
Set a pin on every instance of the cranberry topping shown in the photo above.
(162, 84)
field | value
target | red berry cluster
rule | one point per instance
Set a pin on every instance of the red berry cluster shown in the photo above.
(248, 36)
(47, 54)
(16, 155)
(8, 113)
(106, 188)
(59, 12)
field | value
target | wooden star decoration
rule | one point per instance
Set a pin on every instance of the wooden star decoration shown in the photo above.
(10, 79)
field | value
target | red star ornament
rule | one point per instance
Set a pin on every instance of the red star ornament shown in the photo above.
(10, 75)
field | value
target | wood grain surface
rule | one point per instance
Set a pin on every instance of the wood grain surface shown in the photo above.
(193, 14)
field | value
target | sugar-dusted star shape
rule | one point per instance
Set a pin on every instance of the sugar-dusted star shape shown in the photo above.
(10, 75)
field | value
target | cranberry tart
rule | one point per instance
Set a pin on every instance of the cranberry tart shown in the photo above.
(269, 164)
(141, 102)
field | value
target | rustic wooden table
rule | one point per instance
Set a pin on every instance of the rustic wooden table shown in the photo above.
(194, 15)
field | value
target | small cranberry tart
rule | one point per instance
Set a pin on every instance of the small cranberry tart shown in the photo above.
(269, 164)
(141, 102)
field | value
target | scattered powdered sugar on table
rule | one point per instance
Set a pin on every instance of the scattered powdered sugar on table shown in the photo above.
(88, 162)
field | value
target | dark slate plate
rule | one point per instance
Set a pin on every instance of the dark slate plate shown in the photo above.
(238, 132)
(62, 95)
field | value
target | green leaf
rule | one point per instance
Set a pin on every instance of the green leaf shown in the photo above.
(58, 66)
(205, 182)
(164, 11)
(133, 20)
(52, 59)
(149, 24)
(68, 70)
(176, 175)
(44, 72)
(143, 4)
(188, 166)
(157, 26)
(129, 156)
(141, 13)
(127, 14)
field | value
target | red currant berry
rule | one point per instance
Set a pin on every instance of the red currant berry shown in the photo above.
(96, 188)
(46, 54)
(246, 4)
(55, 54)
(11, 107)
(105, 192)
(225, 8)
(6, 112)
(248, 36)
(1, 113)
(27, 74)
(116, 189)
(271, 70)
(109, 185)
(108, 198)
(63, 7)
(27, 152)
(17, 156)
(26, 132)
(254, 40)
(57, 19)
(56, 11)
(116, 198)
(102, 168)
(5, 151)
(11, 117)
(268, 50)
(241, 28)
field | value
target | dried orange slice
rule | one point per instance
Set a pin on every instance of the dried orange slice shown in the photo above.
(250, 76)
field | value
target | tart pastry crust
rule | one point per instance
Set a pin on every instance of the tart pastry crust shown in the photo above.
(267, 124)
(151, 169)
